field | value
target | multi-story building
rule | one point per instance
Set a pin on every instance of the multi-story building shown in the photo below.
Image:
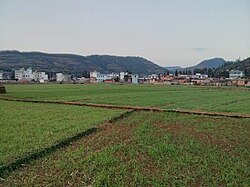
(96, 76)
(122, 76)
(236, 74)
(60, 77)
(134, 79)
(113, 77)
(40, 76)
(23, 74)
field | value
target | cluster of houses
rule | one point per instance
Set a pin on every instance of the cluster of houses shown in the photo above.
(29, 75)
(235, 78)
(123, 77)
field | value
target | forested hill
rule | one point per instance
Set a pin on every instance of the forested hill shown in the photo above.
(243, 65)
(211, 63)
(75, 64)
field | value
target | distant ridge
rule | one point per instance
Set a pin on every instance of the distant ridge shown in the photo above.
(210, 63)
(76, 64)
(173, 68)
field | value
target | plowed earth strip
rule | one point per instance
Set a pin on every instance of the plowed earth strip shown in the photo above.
(154, 109)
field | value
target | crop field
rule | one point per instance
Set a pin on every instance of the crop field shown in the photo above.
(27, 126)
(162, 96)
(128, 147)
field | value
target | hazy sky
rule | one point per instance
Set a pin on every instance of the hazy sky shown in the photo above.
(167, 32)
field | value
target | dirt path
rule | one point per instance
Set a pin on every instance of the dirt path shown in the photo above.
(223, 114)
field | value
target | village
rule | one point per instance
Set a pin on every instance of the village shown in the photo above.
(236, 78)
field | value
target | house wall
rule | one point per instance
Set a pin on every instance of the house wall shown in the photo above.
(122, 76)
(23, 74)
(59, 77)
(134, 79)
(235, 74)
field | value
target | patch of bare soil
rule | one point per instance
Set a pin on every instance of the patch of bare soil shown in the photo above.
(203, 137)
(110, 134)
(173, 128)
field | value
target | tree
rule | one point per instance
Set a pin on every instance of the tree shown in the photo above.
(210, 72)
(176, 73)
(197, 71)
(186, 72)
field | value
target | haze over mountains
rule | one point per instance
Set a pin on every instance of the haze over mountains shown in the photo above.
(78, 65)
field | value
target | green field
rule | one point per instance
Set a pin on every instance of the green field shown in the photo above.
(167, 97)
(144, 148)
(27, 126)
(150, 149)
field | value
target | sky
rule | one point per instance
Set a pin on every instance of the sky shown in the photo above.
(167, 32)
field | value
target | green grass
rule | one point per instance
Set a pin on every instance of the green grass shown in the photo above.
(27, 126)
(142, 149)
(150, 149)
(168, 97)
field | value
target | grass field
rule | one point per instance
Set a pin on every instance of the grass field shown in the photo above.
(150, 149)
(27, 126)
(142, 149)
(168, 97)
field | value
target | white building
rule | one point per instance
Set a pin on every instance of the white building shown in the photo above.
(40, 76)
(235, 74)
(23, 74)
(122, 76)
(99, 77)
(153, 76)
(60, 77)
(134, 79)
(1, 75)
(94, 74)
(199, 76)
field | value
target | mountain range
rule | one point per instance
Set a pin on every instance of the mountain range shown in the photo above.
(79, 65)
(76, 64)
(210, 63)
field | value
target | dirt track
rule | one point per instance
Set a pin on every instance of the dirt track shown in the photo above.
(224, 114)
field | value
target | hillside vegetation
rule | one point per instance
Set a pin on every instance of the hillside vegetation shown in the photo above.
(219, 69)
(209, 64)
(75, 64)
(243, 65)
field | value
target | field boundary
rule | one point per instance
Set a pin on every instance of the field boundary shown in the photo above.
(36, 154)
(154, 109)
(7, 168)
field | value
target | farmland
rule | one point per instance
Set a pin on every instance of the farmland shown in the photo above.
(144, 148)
(167, 97)
(26, 127)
